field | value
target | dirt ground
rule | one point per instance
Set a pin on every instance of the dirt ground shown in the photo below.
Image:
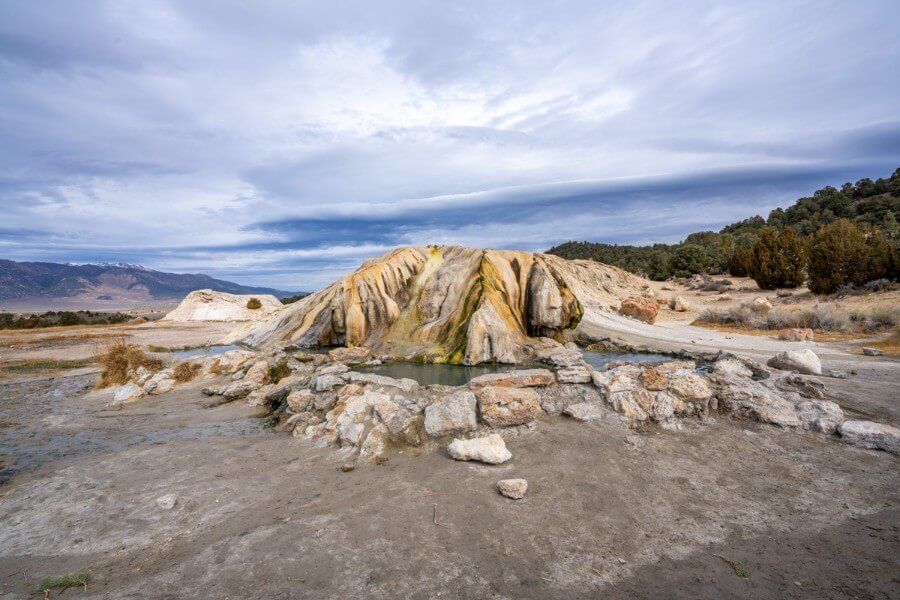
(610, 512)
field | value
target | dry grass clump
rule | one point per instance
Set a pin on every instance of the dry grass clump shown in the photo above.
(254, 303)
(822, 317)
(118, 358)
(186, 371)
(279, 371)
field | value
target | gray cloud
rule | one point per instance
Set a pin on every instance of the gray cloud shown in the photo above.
(280, 144)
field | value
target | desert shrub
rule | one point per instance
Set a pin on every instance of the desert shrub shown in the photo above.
(689, 259)
(186, 371)
(838, 256)
(779, 258)
(876, 319)
(67, 318)
(740, 263)
(821, 317)
(279, 371)
(742, 315)
(118, 358)
(254, 303)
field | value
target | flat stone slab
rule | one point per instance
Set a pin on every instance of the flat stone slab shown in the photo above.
(520, 378)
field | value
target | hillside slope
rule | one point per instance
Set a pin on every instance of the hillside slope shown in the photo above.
(41, 280)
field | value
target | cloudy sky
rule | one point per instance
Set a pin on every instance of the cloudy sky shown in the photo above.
(280, 143)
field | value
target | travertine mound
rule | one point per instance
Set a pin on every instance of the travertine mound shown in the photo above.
(448, 304)
(208, 305)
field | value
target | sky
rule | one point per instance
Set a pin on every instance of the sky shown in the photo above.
(282, 143)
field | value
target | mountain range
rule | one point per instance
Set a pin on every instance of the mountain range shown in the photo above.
(109, 282)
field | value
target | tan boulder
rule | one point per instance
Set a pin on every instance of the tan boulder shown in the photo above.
(350, 356)
(258, 373)
(679, 304)
(507, 406)
(640, 308)
(520, 378)
(796, 335)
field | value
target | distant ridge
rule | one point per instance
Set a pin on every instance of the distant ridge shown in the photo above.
(109, 282)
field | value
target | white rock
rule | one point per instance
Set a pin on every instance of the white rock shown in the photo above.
(128, 393)
(238, 389)
(407, 385)
(584, 411)
(167, 502)
(455, 413)
(800, 361)
(324, 383)
(490, 449)
(820, 415)
(872, 351)
(161, 386)
(258, 373)
(680, 304)
(732, 366)
(513, 488)
(574, 374)
(868, 434)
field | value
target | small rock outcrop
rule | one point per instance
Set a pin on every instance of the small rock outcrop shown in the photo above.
(868, 434)
(508, 406)
(209, 305)
(490, 449)
(820, 415)
(513, 488)
(455, 413)
(642, 309)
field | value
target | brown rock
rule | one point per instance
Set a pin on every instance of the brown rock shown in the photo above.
(507, 406)
(796, 335)
(521, 378)
(654, 379)
(350, 356)
(640, 308)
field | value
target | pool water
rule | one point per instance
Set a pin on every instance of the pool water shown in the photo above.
(202, 352)
(598, 360)
(436, 374)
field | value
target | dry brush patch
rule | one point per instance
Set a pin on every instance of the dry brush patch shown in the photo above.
(186, 371)
(118, 358)
(821, 318)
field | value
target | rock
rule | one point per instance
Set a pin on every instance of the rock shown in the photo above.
(520, 378)
(159, 386)
(513, 488)
(690, 387)
(820, 415)
(238, 390)
(350, 356)
(259, 396)
(324, 383)
(456, 413)
(507, 406)
(784, 293)
(585, 411)
(349, 416)
(214, 390)
(334, 369)
(753, 399)
(128, 393)
(258, 373)
(834, 373)
(556, 398)
(167, 502)
(407, 385)
(732, 366)
(761, 304)
(490, 449)
(724, 298)
(400, 422)
(867, 434)
(575, 374)
(679, 304)
(347, 467)
(654, 379)
(872, 351)
(639, 308)
(622, 390)
(796, 335)
(805, 386)
(209, 305)
(375, 444)
(301, 400)
(799, 361)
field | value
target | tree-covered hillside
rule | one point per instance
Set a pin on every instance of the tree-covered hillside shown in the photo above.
(873, 205)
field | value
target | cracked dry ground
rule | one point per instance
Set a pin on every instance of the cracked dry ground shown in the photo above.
(610, 512)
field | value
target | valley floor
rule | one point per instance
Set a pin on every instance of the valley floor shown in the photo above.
(610, 512)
